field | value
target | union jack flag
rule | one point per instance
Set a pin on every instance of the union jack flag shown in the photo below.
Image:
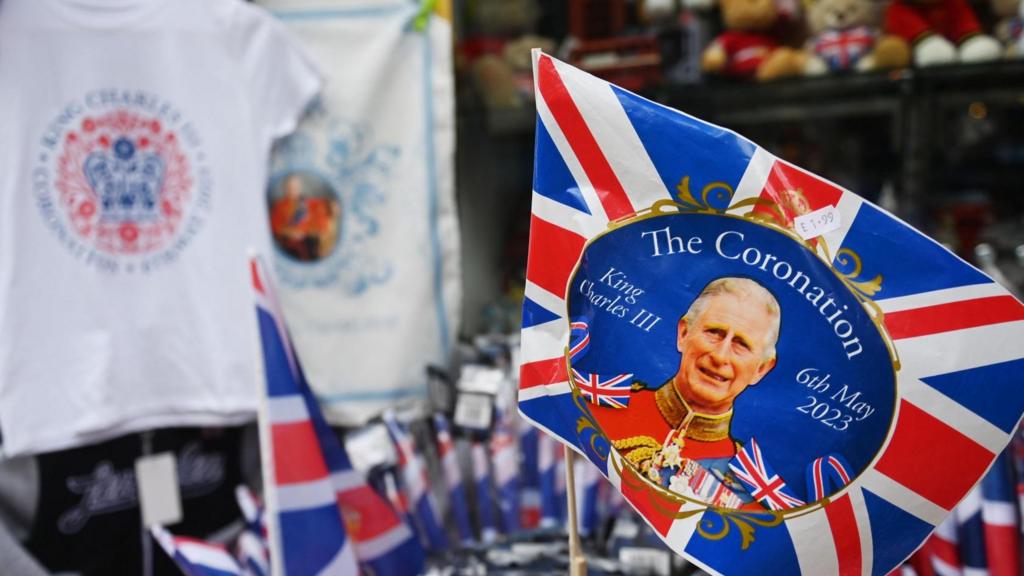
(323, 516)
(603, 154)
(612, 391)
(196, 557)
(826, 475)
(841, 49)
(764, 484)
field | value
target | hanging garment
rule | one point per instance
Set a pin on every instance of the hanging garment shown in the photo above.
(78, 509)
(134, 149)
(362, 206)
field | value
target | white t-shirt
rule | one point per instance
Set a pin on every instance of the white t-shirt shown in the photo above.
(134, 136)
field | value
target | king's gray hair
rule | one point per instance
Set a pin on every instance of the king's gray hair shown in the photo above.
(741, 288)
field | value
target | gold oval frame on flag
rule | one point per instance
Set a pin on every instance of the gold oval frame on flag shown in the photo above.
(688, 204)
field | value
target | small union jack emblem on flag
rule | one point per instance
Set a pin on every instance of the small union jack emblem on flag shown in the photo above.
(611, 391)
(764, 484)
(579, 338)
(826, 475)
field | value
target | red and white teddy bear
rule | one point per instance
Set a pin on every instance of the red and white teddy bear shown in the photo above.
(941, 31)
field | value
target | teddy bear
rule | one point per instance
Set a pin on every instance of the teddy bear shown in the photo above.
(1010, 24)
(845, 37)
(748, 49)
(940, 31)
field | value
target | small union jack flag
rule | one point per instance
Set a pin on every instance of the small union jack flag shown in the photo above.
(764, 484)
(841, 49)
(611, 391)
(579, 338)
(826, 475)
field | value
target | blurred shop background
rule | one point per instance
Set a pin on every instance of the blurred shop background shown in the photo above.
(941, 146)
(400, 239)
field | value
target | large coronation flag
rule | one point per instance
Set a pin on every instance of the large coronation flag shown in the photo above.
(814, 385)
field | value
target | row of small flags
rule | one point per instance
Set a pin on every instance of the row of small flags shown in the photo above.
(329, 520)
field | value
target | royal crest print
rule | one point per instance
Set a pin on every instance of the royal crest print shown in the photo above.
(122, 180)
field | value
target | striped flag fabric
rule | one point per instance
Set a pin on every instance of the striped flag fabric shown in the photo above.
(414, 485)
(999, 518)
(399, 502)
(306, 529)
(252, 553)
(551, 479)
(505, 457)
(384, 544)
(486, 514)
(457, 505)
(942, 550)
(196, 557)
(751, 468)
(251, 548)
(971, 534)
(587, 480)
(529, 438)
(312, 490)
(606, 160)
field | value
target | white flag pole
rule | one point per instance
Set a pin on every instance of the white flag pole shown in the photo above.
(577, 562)
(266, 442)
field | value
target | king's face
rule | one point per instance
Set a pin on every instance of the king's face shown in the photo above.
(723, 352)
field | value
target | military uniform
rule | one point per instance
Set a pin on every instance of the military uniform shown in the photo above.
(656, 418)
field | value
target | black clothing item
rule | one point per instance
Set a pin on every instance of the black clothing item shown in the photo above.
(88, 519)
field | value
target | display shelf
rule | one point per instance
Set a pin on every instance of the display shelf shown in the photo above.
(727, 102)
(838, 95)
(734, 102)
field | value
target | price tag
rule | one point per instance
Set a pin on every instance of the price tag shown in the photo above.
(814, 224)
(157, 479)
(369, 447)
(474, 411)
(636, 560)
(482, 379)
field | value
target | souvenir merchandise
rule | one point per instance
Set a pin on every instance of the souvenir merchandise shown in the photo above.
(747, 48)
(362, 206)
(322, 517)
(779, 376)
(845, 37)
(1009, 25)
(196, 558)
(73, 509)
(129, 181)
(941, 31)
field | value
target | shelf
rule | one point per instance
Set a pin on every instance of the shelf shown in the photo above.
(733, 102)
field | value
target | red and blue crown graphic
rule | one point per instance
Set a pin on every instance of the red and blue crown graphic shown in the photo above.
(127, 181)
(124, 182)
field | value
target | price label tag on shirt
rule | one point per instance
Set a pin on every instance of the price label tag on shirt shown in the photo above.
(474, 411)
(159, 497)
(814, 224)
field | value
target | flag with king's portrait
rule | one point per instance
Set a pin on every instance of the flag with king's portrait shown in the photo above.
(758, 313)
